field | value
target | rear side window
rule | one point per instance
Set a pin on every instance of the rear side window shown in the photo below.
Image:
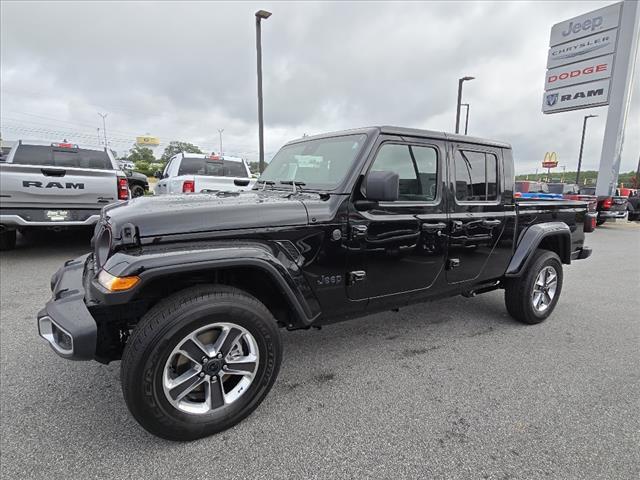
(416, 167)
(216, 168)
(476, 176)
(62, 157)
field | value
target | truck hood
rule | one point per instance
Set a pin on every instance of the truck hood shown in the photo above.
(189, 213)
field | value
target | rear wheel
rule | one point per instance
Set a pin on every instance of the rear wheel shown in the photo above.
(200, 361)
(532, 297)
(137, 191)
(7, 240)
(600, 220)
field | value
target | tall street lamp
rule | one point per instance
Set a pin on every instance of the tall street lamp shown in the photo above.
(460, 81)
(466, 121)
(260, 15)
(220, 130)
(584, 128)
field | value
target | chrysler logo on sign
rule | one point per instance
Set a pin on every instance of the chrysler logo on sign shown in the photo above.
(552, 99)
(583, 49)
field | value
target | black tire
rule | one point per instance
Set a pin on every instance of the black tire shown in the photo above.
(600, 220)
(160, 331)
(7, 240)
(137, 191)
(519, 291)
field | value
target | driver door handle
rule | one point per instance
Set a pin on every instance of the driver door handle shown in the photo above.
(491, 223)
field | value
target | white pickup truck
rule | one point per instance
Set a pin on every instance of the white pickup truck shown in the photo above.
(56, 185)
(193, 172)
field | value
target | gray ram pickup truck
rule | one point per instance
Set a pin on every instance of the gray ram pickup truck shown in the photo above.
(56, 185)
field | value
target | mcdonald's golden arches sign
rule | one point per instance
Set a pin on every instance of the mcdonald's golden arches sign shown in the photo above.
(550, 160)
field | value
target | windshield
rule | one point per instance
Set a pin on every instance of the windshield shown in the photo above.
(557, 188)
(214, 168)
(62, 157)
(320, 164)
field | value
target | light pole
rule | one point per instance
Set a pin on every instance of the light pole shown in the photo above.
(104, 127)
(460, 81)
(466, 121)
(584, 128)
(220, 130)
(260, 15)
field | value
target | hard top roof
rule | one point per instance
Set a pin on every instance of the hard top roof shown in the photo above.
(409, 132)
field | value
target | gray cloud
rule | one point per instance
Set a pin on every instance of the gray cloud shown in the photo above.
(181, 70)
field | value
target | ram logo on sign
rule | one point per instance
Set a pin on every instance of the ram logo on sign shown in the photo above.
(593, 94)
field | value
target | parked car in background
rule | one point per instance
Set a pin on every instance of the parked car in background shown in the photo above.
(633, 202)
(193, 172)
(532, 190)
(138, 183)
(571, 191)
(608, 207)
(56, 185)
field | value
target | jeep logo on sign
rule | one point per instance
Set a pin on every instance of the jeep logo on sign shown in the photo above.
(30, 183)
(589, 24)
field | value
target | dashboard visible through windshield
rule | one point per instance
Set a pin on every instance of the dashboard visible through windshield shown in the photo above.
(320, 164)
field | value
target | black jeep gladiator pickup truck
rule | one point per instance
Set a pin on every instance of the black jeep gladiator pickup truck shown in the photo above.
(189, 291)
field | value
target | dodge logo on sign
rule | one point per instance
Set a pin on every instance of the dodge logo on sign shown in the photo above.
(586, 71)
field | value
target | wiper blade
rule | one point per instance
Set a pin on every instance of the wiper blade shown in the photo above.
(294, 184)
(265, 183)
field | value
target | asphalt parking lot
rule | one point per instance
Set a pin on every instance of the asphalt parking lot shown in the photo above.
(453, 389)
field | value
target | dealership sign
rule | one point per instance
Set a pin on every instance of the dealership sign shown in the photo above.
(580, 60)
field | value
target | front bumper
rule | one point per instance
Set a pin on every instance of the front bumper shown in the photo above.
(65, 322)
(613, 213)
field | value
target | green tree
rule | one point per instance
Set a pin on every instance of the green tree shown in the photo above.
(175, 147)
(139, 154)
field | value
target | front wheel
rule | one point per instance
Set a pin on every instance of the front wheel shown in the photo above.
(7, 239)
(200, 361)
(532, 297)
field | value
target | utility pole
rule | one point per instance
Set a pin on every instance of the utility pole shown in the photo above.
(99, 137)
(260, 15)
(104, 127)
(466, 121)
(220, 130)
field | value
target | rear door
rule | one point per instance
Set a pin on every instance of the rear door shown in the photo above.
(477, 213)
(58, 176)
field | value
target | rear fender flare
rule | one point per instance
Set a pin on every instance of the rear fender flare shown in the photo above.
(531, 239)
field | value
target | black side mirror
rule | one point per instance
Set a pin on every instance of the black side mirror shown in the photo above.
(158, 175)
(241, 182)
(382, 186)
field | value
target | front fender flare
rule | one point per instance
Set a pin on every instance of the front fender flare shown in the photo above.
(531, 239)
(273, 259)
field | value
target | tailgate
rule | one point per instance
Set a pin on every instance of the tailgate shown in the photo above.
(33, 186)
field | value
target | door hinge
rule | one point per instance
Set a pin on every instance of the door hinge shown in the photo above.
(358, 231)
(357, 276)
(453, 263)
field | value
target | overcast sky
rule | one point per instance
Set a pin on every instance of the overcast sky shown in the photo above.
(181, 70)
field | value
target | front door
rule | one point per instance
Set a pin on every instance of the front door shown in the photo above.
(477, 217)
(399, 247)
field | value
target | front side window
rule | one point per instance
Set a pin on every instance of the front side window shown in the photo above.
(476, 175)
(320, 164)
(416, 168)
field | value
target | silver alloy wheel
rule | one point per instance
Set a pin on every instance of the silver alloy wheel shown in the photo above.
(544, 289)
(210, 368)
